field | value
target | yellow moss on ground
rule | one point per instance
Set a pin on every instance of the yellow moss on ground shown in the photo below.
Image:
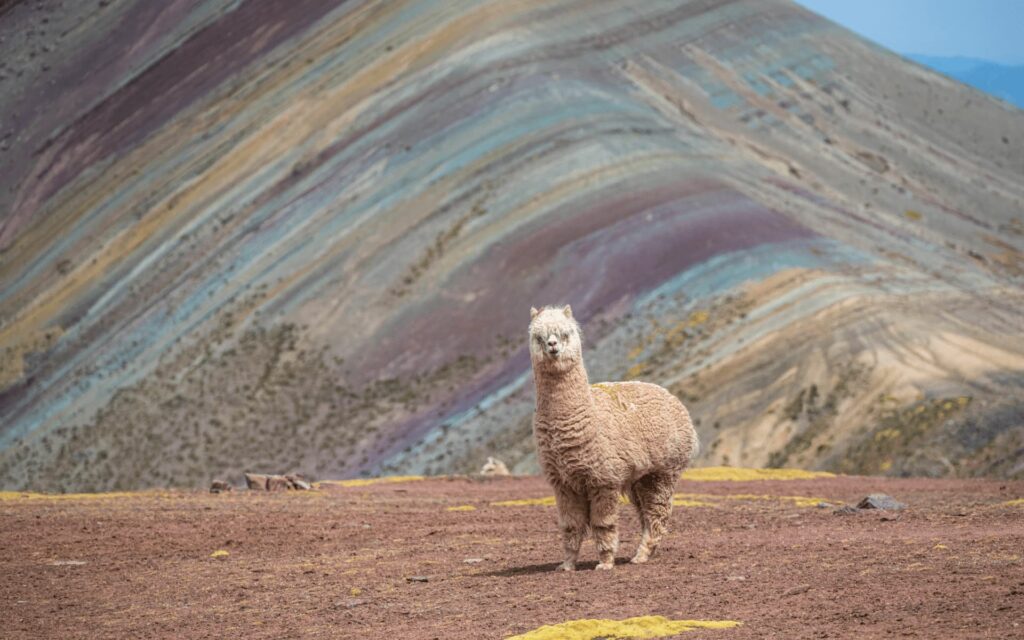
(679, 500)
(741, 474)
(687, 502)
(11, 496)
(546, 501)
(640, 627)
(365, 482)
(1019, 502)
(799, 501)
(462, 507)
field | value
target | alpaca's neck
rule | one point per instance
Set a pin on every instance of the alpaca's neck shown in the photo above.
(563, 395)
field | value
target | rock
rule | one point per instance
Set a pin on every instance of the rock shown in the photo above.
(473, 560)
(256, 481)
(264, 482)
(217, 486)
(845, 510)
(803, 588)
(880, 501)
(417, 579)
(889, 518)
(824, 505)
(299, 482)
(494, 467)
(278, 483)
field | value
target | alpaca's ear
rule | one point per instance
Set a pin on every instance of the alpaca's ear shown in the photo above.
(533, 312)
(567, 311)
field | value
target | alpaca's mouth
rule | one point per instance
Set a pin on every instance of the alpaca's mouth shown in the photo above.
(553, 352)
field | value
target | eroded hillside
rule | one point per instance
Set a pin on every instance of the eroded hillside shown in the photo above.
(305, 236)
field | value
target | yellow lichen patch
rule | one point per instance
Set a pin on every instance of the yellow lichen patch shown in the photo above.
(6, 496)
(364, 482)
(219, 553)
(698, 317)
(912, 215)
(940, 547)
(887, 434)
(1019, 502)
(799, 501)
(641, 627)
(547, 501)
(355, 591)
(462, 507)
(687, 502)
(741, 474)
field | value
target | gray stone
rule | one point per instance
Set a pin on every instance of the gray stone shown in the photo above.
(880, 501)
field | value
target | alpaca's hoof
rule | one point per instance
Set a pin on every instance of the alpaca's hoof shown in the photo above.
(605, 566)
(638, 559)
(566, 566)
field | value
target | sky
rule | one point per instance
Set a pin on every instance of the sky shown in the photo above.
(987, 29)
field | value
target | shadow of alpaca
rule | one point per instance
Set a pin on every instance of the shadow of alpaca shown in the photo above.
(531, 569)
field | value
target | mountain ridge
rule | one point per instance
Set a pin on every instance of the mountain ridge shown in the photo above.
(319, 256)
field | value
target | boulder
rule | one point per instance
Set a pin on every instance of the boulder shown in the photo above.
(265, 482)
(880, 501)
(494, 467)
(256, 481)
(278, 483)
(298, 482)
(217, 486)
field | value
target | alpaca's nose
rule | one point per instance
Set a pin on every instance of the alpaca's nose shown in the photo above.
(552, 342)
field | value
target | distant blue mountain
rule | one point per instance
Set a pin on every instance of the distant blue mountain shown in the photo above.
(1002, 81)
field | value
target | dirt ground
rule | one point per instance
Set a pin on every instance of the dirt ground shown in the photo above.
(337, 562)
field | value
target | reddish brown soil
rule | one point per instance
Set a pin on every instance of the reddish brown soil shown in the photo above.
(335, 564)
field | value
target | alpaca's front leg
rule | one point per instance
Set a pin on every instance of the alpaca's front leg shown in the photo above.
(604, 518)
(573, 517)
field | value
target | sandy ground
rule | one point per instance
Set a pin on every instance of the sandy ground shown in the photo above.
(337, 562)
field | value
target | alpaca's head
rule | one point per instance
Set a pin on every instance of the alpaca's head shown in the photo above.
(556, 343)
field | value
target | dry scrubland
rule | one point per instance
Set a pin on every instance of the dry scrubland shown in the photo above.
(751, 555)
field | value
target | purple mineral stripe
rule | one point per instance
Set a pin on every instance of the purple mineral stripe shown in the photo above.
(591, 256)
(172, 84)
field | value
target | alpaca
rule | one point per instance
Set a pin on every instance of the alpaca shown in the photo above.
(494, 467)
(596, 442)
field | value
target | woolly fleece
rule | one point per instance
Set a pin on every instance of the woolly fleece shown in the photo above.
(595, 442)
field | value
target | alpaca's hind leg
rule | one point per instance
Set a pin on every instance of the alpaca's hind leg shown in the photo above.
(655, 492)
(637, 499)
(573, 520)
(604, 518)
